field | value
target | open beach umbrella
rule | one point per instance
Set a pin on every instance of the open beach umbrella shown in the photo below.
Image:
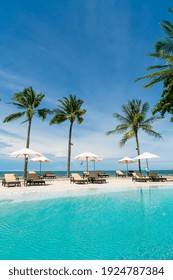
(87, 156)
(24, 153)
(126, 160)
(28, 153)
(40, 160)
(146, 156)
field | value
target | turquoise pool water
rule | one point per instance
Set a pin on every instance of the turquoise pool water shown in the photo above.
(116, 225)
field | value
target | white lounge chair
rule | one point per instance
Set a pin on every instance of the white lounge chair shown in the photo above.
(76, 178)
(10, 180)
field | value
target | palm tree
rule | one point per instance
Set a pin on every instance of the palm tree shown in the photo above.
(132, 120)
(69, 109)
(27, 101)
(163, 72)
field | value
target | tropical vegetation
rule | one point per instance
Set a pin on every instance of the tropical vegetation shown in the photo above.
(133, 119)
(163, 51)
(69, 109)
(28, 103)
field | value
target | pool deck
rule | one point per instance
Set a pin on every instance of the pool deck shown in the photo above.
(63, 184)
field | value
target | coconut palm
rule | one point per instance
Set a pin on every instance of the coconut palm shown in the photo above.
(132, 120)
(27, 101)
(69, 109)
(163, 72)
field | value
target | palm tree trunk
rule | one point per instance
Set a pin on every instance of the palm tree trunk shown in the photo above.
(138, 150)
(27, 146)
(69, 150)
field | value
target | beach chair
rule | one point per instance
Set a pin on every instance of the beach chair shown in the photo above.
(120, 174)
(49, 175)
(156, 178)
(94, 178)
(85, 174)
(34, 179)
(138, 177)
(10, 180)
(76, 178)
(101, 174)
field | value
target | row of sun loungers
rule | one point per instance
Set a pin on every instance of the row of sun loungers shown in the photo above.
(138, 177)
(33, 178)
(10, 180)
(152, 177)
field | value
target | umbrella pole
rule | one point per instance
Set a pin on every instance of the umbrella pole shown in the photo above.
(147, 164)
(25, 171)
(40, 168)
(127, 167)
(87, 164)
(94, 165)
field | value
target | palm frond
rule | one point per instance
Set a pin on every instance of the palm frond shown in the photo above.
(42, 113)
(14, 116)
(158, 67)
(164, 46)
(130, 134)
(152, 120)
(58, 118)
(145, 108)
(121, 128)
(151, 132)
(120, 117)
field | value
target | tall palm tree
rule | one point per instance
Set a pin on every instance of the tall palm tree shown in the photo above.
(163, 72)
(69, 109)
(132, 120)
(27, 101)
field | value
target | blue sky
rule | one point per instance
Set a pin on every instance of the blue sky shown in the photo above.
(92, 48)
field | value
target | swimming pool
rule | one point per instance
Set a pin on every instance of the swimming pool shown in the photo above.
(135, 224)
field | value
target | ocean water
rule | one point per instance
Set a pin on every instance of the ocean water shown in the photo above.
(64, 173)
(133, 224)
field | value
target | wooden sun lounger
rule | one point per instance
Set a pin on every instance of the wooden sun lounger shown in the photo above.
(101, 174)
(137, 177)
(10, 180)
(34, 179)
(156, 178)
(49, 175)
(95, 178)
(119, 173)
(76, 178)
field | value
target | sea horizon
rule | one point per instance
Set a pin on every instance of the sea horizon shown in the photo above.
(63, 173)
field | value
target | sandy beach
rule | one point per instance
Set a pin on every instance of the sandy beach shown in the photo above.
(64, 185)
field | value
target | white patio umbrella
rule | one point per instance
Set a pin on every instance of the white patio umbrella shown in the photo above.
(40, 160)
(28, 153)
(87, 156)
(126, 160)
(24, 153)
(146, 156)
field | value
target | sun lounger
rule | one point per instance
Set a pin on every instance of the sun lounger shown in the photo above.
(101, 174)
(34, 179)
(85, 174)
(156, 178)
(95, 178)
(10, 180)
(120, 174)
(137, 177)
(76, 178)
(49, 175)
